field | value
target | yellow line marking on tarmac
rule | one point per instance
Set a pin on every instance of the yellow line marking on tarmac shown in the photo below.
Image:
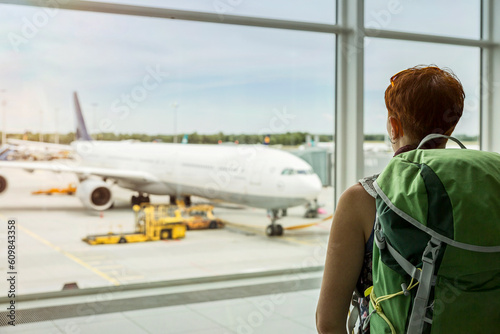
(294, 239)
(111, 266)
(254, 229)
(68, 255)
(296, 227)
(258, 230)
(93, 258)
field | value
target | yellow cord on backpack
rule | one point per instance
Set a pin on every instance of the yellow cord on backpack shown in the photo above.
(376, 301)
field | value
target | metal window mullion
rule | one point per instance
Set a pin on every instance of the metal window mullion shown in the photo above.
(166, 13)
(490, 78)
(406, 36)
(494, 81)
(349, 126)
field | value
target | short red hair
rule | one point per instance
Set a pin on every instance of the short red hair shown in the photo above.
(426, 99)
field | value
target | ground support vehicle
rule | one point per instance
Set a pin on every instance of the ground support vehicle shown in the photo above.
(152, 222)
(200, 217)
(69, 190)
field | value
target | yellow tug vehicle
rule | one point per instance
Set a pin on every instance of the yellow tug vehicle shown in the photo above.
(152, 223)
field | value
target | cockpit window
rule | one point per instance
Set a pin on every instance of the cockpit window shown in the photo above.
(290, 171)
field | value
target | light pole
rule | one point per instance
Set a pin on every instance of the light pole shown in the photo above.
(40, 136)
(175, 105)
(4, 118)
(57, 127)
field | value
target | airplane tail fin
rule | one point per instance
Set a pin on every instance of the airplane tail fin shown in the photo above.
(81, 129)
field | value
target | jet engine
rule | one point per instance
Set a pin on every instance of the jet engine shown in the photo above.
(3, 184)
(95, 194)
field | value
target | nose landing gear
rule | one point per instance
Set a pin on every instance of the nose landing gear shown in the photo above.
(274, 229)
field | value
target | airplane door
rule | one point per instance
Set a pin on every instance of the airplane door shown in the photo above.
(257, 170)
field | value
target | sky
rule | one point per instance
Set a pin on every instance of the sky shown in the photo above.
(142, 75)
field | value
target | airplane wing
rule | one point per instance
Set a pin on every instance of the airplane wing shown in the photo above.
(60, 167)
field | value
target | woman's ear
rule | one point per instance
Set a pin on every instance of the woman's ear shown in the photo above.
(395, 128)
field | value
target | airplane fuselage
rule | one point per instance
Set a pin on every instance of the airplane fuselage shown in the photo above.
(252, 175)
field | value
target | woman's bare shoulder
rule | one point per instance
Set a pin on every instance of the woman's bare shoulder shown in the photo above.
(358, 207)
(357, 195)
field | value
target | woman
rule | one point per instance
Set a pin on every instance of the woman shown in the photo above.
(420, 101)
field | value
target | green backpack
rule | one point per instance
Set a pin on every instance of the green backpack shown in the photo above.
(436, 255)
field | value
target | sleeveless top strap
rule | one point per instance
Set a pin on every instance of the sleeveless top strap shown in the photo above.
(367, 183)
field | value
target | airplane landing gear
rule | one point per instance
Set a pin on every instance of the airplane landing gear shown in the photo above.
(137, 200)
(274, 229)
(180, 200)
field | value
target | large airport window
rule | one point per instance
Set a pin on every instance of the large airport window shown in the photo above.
(323, 11)
(463, 61)
(265, 95)
(454, 18)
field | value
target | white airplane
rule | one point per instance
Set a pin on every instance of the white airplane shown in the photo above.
(252, 175)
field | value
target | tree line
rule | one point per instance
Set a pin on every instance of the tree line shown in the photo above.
(288, 139)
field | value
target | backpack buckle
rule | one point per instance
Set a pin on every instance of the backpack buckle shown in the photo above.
(432, 249)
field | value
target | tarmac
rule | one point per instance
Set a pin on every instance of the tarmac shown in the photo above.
(50, 253)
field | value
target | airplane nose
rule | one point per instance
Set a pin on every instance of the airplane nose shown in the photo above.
(312, 186)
